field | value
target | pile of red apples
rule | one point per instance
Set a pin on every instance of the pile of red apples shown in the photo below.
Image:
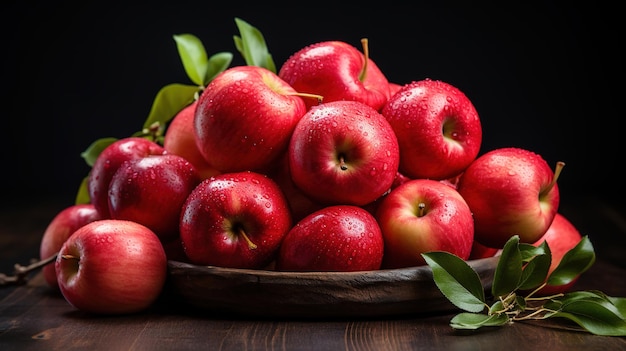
(323, 166)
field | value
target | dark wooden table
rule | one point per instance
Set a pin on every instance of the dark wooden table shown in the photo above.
(32, 317)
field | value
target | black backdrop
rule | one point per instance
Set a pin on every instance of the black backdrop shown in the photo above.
(546, 78)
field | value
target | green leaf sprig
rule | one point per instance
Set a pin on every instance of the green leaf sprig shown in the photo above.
(172, 98)
(522, 270)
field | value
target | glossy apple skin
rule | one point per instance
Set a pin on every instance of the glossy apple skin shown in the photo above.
(64, 224)
(332, 69)
(244, 119)
(446, 223)
(561, 237)
(180, 139)
(119, 267)
(151, 191)
(222, 206)
(350, 131)
(300, 204)
(509, 191)
(340, 238)
(109, 161)
(437, 126)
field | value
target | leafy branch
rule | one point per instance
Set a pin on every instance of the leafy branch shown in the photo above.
(172, 98)
(521, 272)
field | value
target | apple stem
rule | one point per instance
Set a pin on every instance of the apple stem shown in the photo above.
(420, 209)
(251, 245)
(366, 54)
(319, 98)
(20, 272)
(342, 163)
(557, 173)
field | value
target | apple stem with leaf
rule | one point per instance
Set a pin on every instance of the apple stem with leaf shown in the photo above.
(522, 267)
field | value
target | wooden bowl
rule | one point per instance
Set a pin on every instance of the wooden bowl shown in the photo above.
(266, 293)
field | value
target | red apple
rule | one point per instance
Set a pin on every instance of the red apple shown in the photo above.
(343, 152)
(108, 162)
(337, 71)
(424, 215)
(61, 227)
(437, 127)
(235, 220)
(180, 139)
(561, 237)
(335, 238)
(300, 204)
(111, 267)
(511, 191)
(152, 190)
(244, 119)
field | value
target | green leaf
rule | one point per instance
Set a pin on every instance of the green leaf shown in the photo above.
(477, 320)
(458, 282)
(509, 269)
(251, 45)
(217, 64)
(595, 315)
(194, 57)
(538, 264)
(575, 262)
(82, 195)
(94, 149)
(620, 304)
(616, 304)
(168, 102)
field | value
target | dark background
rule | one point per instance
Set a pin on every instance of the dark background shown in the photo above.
(546, 78)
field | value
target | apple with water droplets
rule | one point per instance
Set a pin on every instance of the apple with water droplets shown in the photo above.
(339, 238)
(423, 215)
(343, 152)
(235, 220)
(151, 191)
(244, 119)
(437, 126)
(511, 191)
(107, 163)
(337, 71)
(111, 267)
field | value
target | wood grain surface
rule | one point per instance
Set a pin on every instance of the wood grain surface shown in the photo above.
(32, 317)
